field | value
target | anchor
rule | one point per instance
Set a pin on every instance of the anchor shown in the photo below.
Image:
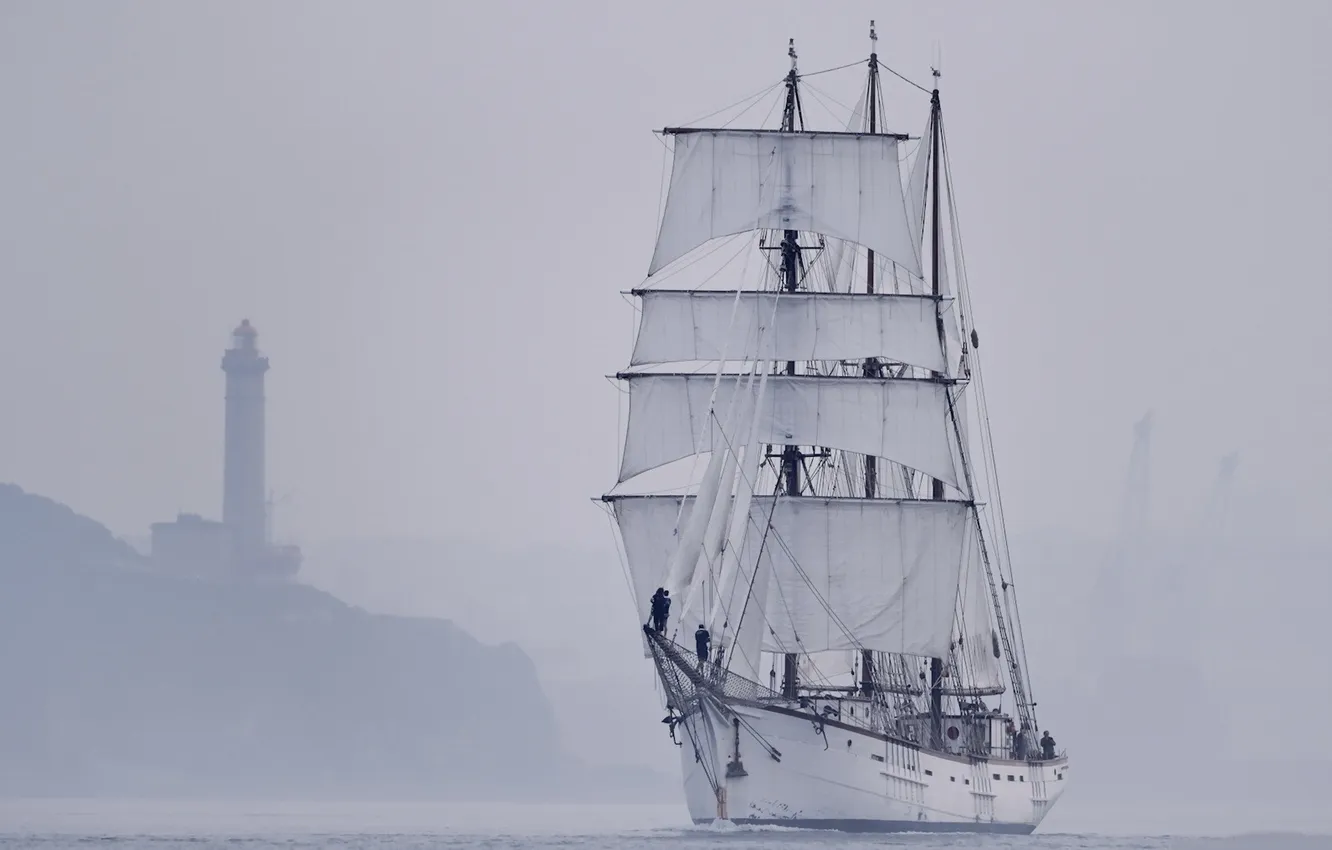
(735, 768)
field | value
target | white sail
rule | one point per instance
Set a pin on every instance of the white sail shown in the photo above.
(904, 420)
(691, 533)
(917, 197)
(951, 307)
(916, 191)
(706, 571)
(835, 667)
(845, 573)
(728, 602)
(747, 647)
(680, 326)
(978, 658)
(847, 186)
(748, 585)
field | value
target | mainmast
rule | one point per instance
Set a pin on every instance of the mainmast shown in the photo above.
(792, 458)
(872, 367)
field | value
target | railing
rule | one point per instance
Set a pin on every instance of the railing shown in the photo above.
(684, 675)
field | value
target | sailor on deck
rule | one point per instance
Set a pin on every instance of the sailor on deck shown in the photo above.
(1047, 746)
(1022, 744)
(702, 640)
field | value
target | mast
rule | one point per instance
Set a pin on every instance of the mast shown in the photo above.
(791, 455)
(936, 486)
(1017, 675)
(872, 367)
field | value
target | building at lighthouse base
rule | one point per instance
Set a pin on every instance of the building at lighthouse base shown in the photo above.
(191, 545)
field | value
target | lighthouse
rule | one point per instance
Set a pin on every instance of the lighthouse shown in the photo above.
(243, 506)
(238, 547)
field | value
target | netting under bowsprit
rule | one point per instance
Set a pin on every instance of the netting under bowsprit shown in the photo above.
(684, 676)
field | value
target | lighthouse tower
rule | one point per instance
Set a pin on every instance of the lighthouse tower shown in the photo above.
(243, 506)
(238, 548)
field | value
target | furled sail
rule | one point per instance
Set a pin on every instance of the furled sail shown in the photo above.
(699, 536)
(843, 185)
(731, 577)
(707, 559)
(843, 573)
(905, 420)
(700, 325)
(746, 593)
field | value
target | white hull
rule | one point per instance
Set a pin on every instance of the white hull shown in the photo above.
(857, 781)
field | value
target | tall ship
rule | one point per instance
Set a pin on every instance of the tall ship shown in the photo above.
(807, 476)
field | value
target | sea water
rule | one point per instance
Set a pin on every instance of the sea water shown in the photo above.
(149, 825)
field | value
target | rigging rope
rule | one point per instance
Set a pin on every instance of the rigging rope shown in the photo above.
(722, 242)
(753, 97)
(1022, 678)
(819, 96)
(857, 63)
(753, 577)
(909, 82)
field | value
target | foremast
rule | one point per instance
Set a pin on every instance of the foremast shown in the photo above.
(792, 457)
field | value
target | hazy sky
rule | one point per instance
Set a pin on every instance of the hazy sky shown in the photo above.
(428, 211)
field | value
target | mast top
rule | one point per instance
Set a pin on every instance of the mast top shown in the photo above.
(791, 51)
(874, 43)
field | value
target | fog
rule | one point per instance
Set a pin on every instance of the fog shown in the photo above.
(429, 209)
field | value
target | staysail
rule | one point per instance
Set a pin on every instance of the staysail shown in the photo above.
(977, 656)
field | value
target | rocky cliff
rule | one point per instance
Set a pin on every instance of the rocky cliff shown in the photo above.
(121, 681)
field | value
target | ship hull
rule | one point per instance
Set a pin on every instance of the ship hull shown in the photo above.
(798, 773)
(879, 826)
